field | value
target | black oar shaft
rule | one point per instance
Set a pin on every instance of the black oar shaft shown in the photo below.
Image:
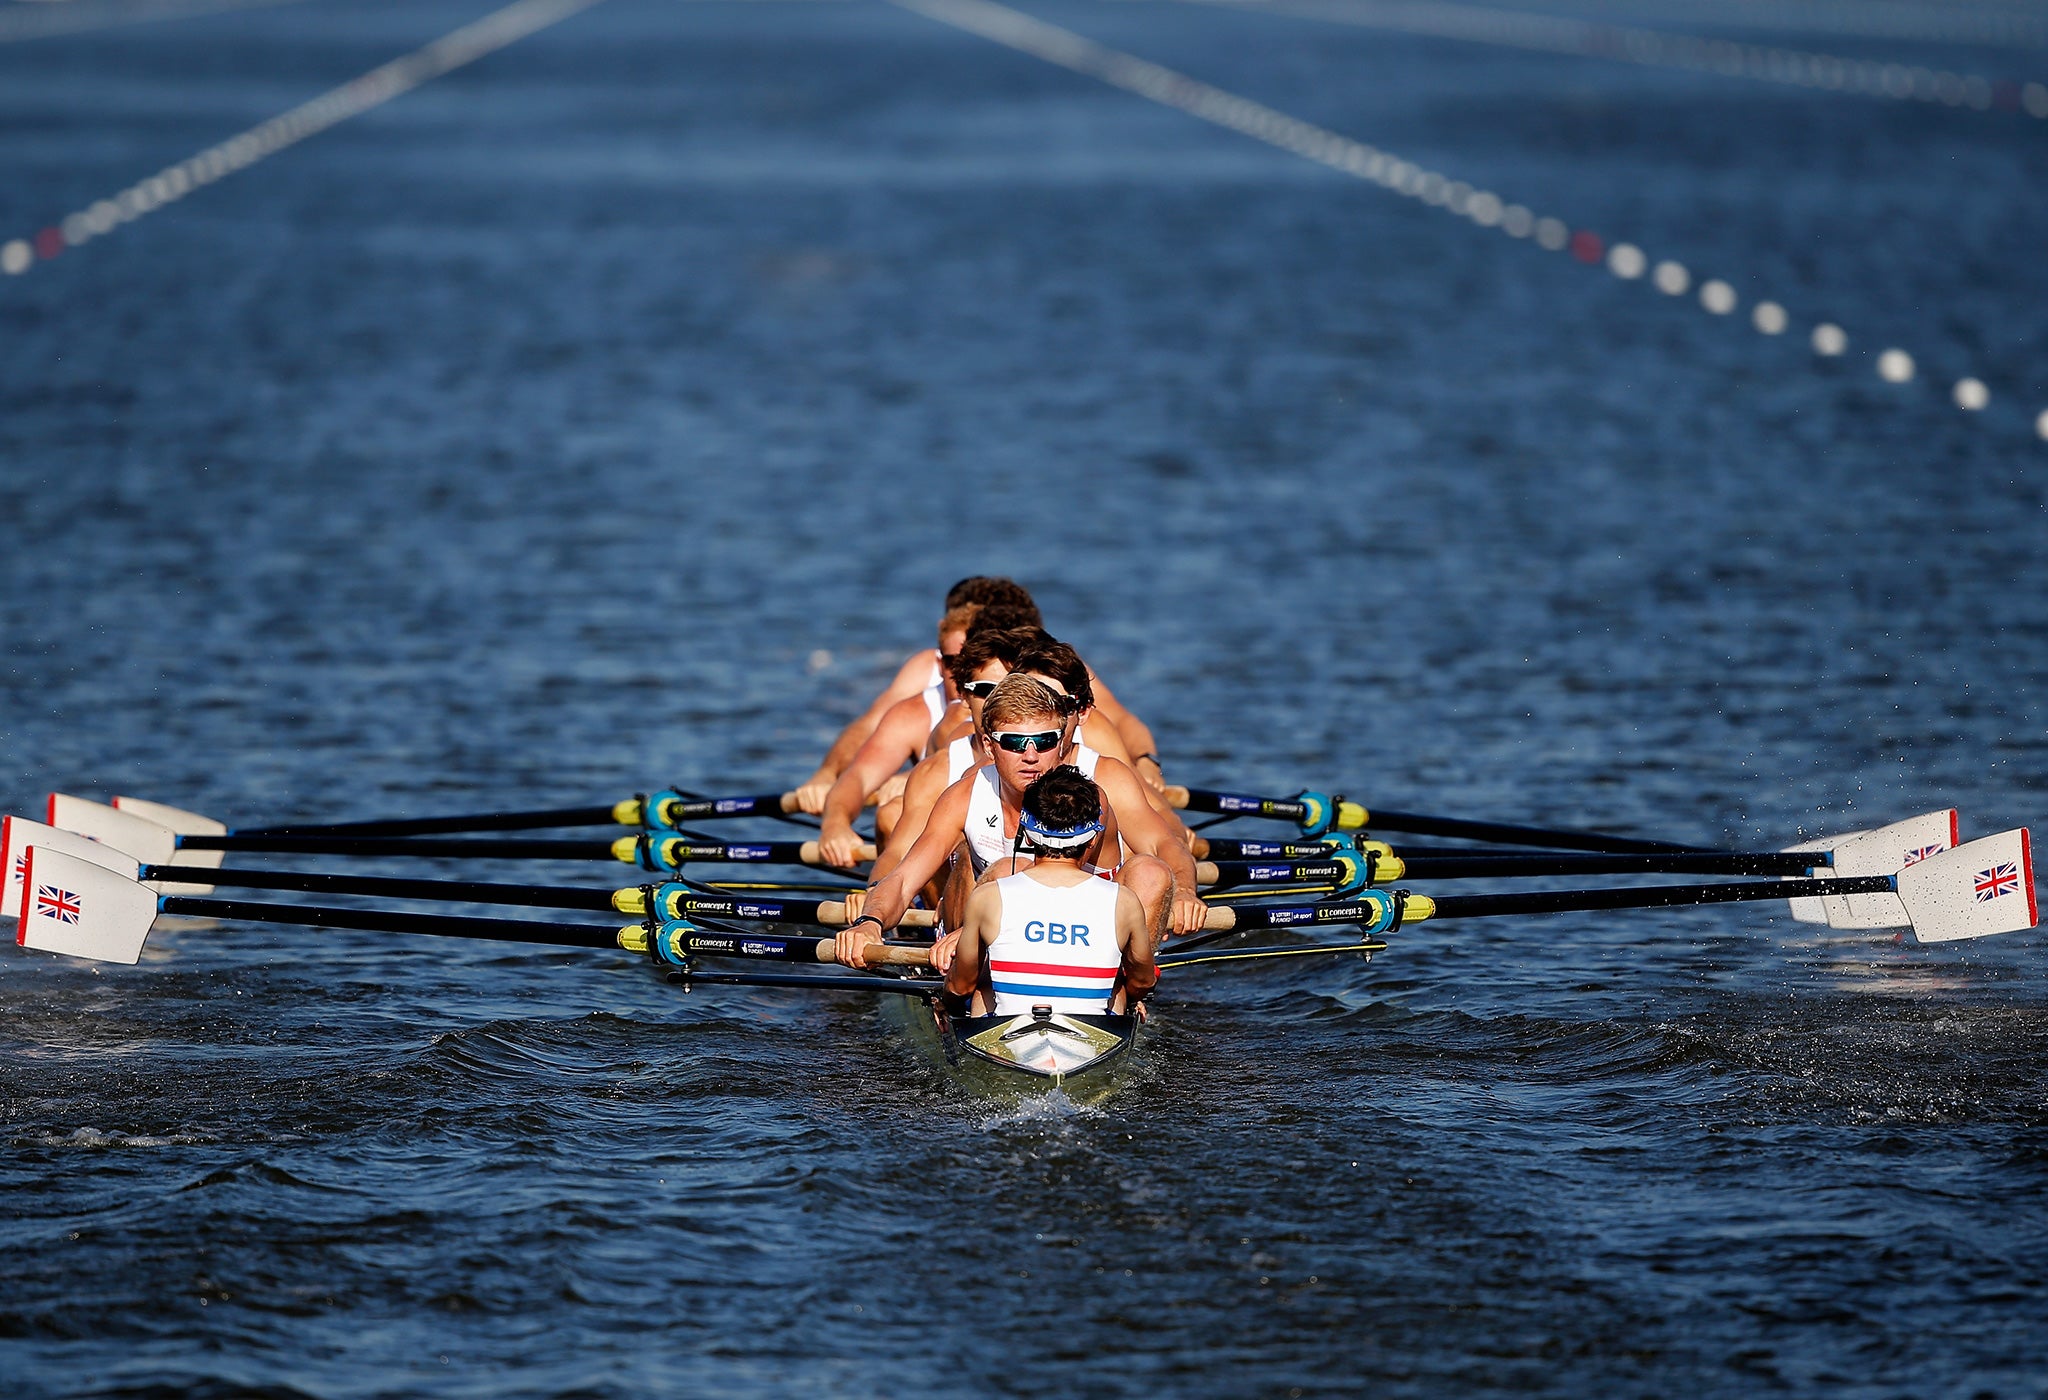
(433, 826)
(391, 921)
(1472, 906)
(1224, 848)
(1476, 866)
(1250, 872)
(450, 891)
(1504, 833)
(817, 982)
(400, 846)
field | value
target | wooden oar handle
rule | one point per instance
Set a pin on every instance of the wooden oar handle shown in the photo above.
(1176, 796)
(832, 914)
(810, 856)
(880, 953)
(1220, 919)
(789, 804)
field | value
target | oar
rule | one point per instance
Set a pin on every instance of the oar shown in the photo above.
(145, 839)
(661, 811)
(81, 908)
(1316, 813)
(1976, 889)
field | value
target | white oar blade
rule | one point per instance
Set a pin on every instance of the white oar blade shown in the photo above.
(1884, 851)
(1887, 851)
(17, 834)
(1977, 889)
(183, 823)
(176, 818)
(83, 910)
(1812, 909)
(148, 842)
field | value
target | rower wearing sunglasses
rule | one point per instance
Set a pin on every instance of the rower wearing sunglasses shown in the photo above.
(1025, 729)
(922, 678)
(982, 664)
(988, 655)
(1049, 935)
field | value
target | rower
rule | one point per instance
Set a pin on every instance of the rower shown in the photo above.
(1026, 730)
(1052, 935)
(984, 658)
(921, 677)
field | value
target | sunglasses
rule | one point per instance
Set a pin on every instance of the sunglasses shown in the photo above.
(980, 690)
(1036, 743)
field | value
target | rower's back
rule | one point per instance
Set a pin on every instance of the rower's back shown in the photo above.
(1057, 943)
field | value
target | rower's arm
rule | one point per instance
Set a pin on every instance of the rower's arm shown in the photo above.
(984, 918)
(898, 738)
(890, 896)
(910, 679)
(1134, 936)
(927, 784)
(1147, 833)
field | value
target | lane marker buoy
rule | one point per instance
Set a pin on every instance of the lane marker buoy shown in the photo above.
(372, 89)
(1016, 30)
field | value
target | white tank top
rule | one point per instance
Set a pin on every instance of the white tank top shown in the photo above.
(960, 757)
(1056, 947)
(989, 837)
(934, 694)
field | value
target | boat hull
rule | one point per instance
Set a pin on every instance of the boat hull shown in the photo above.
(1023, 1056)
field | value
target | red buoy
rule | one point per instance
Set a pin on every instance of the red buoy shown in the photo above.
(1587, 247)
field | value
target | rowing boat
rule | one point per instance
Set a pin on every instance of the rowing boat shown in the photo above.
(92, 881)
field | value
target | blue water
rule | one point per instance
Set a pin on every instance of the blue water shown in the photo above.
(613, 412)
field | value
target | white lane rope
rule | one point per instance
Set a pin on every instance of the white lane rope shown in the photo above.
(43, 21)
(1657, 48)
(1154, 82)
(373, 89)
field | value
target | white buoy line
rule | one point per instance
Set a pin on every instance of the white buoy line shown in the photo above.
(1066, 49)
(1656, 48)
(19, 22)
(374, 88)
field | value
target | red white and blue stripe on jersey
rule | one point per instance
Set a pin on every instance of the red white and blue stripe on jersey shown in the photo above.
(1052, 982)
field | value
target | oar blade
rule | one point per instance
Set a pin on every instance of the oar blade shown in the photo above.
(1980, 888)
(17, 834)
(148, 841)
(1884, 850)
(82, 910)
(176, 818)
(1811, 909)
(1887, 851)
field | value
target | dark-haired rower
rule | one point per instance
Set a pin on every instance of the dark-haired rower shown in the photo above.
(987, 656)
(922, 677)
(1053, 935)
